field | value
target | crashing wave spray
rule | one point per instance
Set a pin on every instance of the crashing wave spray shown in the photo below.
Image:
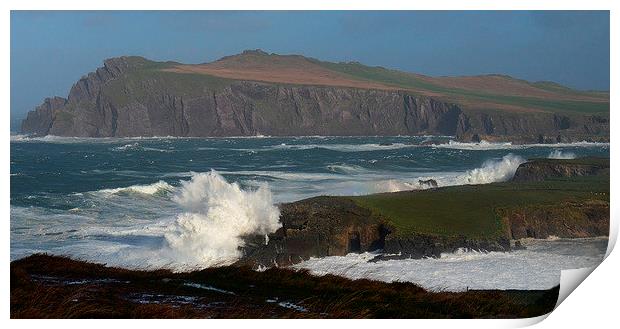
(557, 154)
(217, 215)
(493, 171)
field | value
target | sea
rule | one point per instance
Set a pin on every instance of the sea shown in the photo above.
(184, 203)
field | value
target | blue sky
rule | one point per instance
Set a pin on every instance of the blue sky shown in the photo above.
(52, 50)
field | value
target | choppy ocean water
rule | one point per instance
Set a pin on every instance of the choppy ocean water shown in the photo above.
(142, 202)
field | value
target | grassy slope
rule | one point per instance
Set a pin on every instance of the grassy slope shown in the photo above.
(149, 77)
(469, 210)
(471, 97)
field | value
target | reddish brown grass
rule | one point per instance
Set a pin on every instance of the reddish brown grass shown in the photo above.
(45, 287)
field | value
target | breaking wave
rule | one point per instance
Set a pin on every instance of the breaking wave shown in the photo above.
(160, 187)
(196, 225)
(341, 147)
(485, 146)
(493, 171)
(557, 154)
(346, 169)
(217, 214)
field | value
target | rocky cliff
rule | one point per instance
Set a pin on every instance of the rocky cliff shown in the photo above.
(336, 226)
(132, 96)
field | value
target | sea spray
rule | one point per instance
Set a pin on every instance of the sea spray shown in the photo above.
(493, 171)
(217, 215)
(557, 154)
(113, 207)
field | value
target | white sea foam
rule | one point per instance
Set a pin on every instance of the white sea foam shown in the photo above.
(94, 140)
(347, 169)
(485, 146)
(339, 147)
(126, 147)
(558, 154)
(217, 214)
(537, 267)
(196, 225)
(150, 189)
(492, 171)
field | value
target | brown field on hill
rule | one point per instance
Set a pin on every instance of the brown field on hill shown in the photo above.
(502, 85)
(483, 92)
(289, 75)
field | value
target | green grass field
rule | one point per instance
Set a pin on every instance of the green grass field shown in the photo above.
(470, 210)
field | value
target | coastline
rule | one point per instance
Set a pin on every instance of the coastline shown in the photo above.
(336, 226)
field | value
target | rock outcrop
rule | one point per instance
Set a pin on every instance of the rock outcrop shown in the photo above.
(316, 227)
(335, 226)
(585, 219)
(132, 96)
(542, 169)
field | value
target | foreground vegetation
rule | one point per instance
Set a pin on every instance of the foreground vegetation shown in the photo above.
(55, 287)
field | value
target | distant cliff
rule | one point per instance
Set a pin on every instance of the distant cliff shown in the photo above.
(132, 96)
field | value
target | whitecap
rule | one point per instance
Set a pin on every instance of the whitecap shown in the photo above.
(149, 189)
(558, 154)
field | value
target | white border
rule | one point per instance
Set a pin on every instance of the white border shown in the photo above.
(593, 303)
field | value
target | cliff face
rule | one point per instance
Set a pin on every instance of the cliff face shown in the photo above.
(536, 127)
(568, 220)
(316, 227)
(131, 96)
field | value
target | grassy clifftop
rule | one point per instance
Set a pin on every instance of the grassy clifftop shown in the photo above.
(475, 211)
(483, 92)
(472, 210)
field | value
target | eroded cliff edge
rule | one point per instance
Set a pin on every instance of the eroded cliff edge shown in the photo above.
(537, 203)
(132, 96)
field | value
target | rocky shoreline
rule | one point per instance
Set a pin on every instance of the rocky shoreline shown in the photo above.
(45, 286)
(336, 226)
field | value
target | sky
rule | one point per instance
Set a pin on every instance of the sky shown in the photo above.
(51, 50)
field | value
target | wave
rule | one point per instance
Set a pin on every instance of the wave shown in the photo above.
(126, 147)
(100, 140)
(557, 154)
(160, 187)
(137, 147)
(199, 224)
(217, 214)
(346, 169)
(369, 147)
(485, 146)
(491, 171)
(62, 139)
